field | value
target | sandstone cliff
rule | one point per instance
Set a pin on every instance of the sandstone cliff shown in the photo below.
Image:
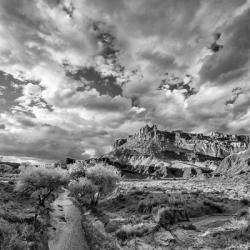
(163, 154)
(175, 154)
(235, 164)
(150, 140)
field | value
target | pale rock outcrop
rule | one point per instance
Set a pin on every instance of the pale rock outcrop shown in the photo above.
(235, 164)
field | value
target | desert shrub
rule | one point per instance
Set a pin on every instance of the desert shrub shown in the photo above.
(242, 229)
(5, 236)
(40, 183)
(99, 181)
(237, 232)
(35, 178)
(5, 168)
(138, 192)
(77, 170)
(84, 190)
(129, 231)
(189, 226)
(245, 201)
(121, 197)
(217, 207)
(175, 200)
(145, 206)
(18, 236)
(142, 207)
(169, 216)
(95, 239)
(245, 212)
(112, 226)
(105, 178)
(24, 166)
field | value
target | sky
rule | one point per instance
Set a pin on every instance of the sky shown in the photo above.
(77, 74)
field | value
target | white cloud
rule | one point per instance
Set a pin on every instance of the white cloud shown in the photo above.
(53, 118)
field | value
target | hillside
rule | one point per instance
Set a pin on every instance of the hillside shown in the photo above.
(235, 164)
(156, 153)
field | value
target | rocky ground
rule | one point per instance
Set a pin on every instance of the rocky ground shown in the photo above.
(194, 214)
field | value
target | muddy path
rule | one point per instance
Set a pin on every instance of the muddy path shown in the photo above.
(66, 231)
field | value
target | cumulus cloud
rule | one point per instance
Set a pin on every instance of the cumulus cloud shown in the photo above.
(76, 75)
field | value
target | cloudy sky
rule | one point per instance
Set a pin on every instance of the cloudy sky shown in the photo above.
(77, 74)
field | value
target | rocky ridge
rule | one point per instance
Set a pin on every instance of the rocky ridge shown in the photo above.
(235, 164)
(175, 154)
(197, 146)
(163, 154)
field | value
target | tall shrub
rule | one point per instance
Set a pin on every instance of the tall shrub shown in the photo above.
(99, 181)
(40, 183)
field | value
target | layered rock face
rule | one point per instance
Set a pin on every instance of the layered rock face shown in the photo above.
(212, 146)
(163, 154)
(235, 164)
(175, 154)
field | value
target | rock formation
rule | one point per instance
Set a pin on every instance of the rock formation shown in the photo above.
(235, 164)
(163, 154)
(212, 146)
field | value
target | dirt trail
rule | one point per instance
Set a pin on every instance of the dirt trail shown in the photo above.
(66, 232)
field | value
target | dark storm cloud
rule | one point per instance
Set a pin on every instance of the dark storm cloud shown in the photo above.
(69, 9)
(232, 61)
(2, 126)
(40, 102)
(238, 104)
(236, 93)
(172, 82)
(91, 78)
(103, 35)
(135, 101)
(215, 47)
(11, 89)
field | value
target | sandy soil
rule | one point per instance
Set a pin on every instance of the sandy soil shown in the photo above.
(66, 232)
